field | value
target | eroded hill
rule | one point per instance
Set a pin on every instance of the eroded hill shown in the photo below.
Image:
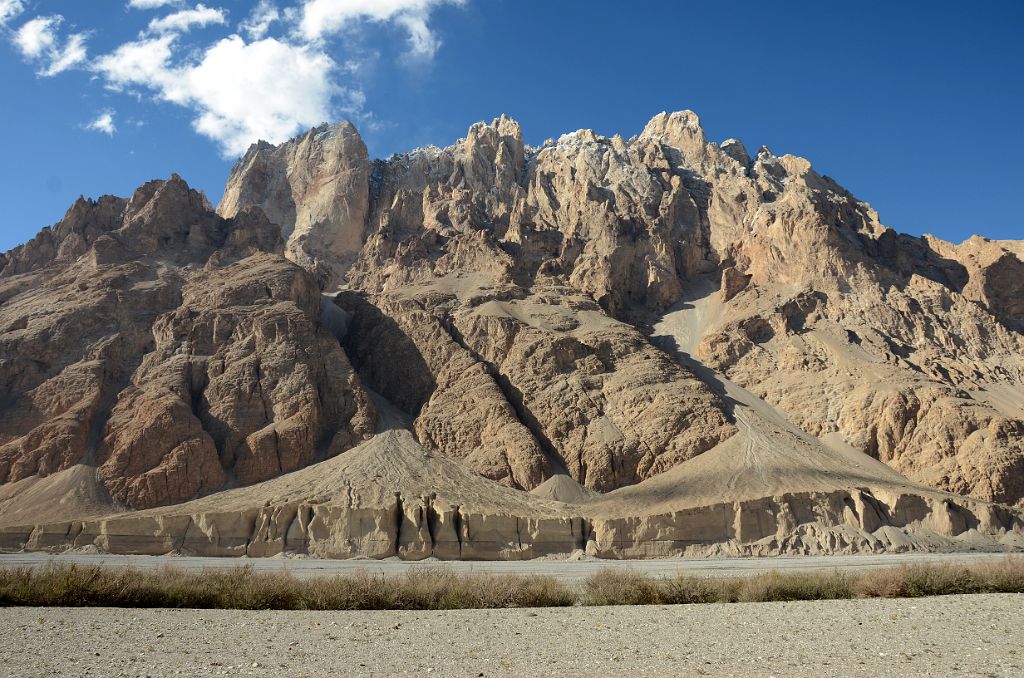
(678, 347)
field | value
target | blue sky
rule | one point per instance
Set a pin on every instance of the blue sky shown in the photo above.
(916, 107)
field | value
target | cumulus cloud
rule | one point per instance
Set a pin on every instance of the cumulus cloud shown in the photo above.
(145, 63)
(243, 87)
(262, 90)
(37, 36)
(10, 9)
(38, 41)
(103, 123)
(259, 21)
(241, 91)
(321, 18)
(187, 18)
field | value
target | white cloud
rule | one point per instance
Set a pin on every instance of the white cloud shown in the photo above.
(10, 9)
(422, 41)
(187, 18)
(321, 18)
(104, 123)
(72, 54)
(264, 90)
(37, 40)
(37, 36)
(258, 23)
(241, 92)
(239, 89)
(151, 4)
(145, 63)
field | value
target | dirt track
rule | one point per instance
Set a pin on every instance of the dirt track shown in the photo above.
(979, 635)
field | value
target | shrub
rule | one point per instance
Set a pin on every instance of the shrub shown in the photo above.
(614, 587)
(440, 589)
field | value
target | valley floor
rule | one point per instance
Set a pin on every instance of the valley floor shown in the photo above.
(979, 635)
(571, 570)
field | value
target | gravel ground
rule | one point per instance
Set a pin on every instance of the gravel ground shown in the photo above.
(981, 635)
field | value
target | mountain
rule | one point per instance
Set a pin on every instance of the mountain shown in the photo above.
(638, 347)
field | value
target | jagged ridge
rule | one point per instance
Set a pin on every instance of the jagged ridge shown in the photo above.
(568, 309)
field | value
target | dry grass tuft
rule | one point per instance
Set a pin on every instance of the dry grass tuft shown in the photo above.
(609, 587)
(912, 581)
(435, 590)
(612, 587)
(438, 589)
(243, 589)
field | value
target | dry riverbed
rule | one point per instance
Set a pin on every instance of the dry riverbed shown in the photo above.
(980, 635)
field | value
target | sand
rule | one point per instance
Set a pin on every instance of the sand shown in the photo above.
(980, 635)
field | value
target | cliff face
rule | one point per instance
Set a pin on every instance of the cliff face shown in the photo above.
(178, 353)
(906, 349)
(315, 189)
(609, 312)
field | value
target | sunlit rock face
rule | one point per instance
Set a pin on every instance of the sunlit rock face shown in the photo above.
(663, 329)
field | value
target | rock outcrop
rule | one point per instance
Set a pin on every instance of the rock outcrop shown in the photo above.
(178, 352)
(520, 389)
(315, 189)
(636, 225)
(702, 350)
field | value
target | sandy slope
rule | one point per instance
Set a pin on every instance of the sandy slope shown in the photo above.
(768, 457)
(370, 475)
(69, 494)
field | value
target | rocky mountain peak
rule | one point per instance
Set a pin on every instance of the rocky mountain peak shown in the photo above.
(671, 124)
(165, 199)
(323, 229)
(680, 130)
(343, 129)
(735, 149)
(713, 353)
(84, 222)
(493, 152)
(502, 127)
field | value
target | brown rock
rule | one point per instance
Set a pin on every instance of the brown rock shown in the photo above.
(733, 282)
(315, 189)
(735, 350)
(159, 355)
